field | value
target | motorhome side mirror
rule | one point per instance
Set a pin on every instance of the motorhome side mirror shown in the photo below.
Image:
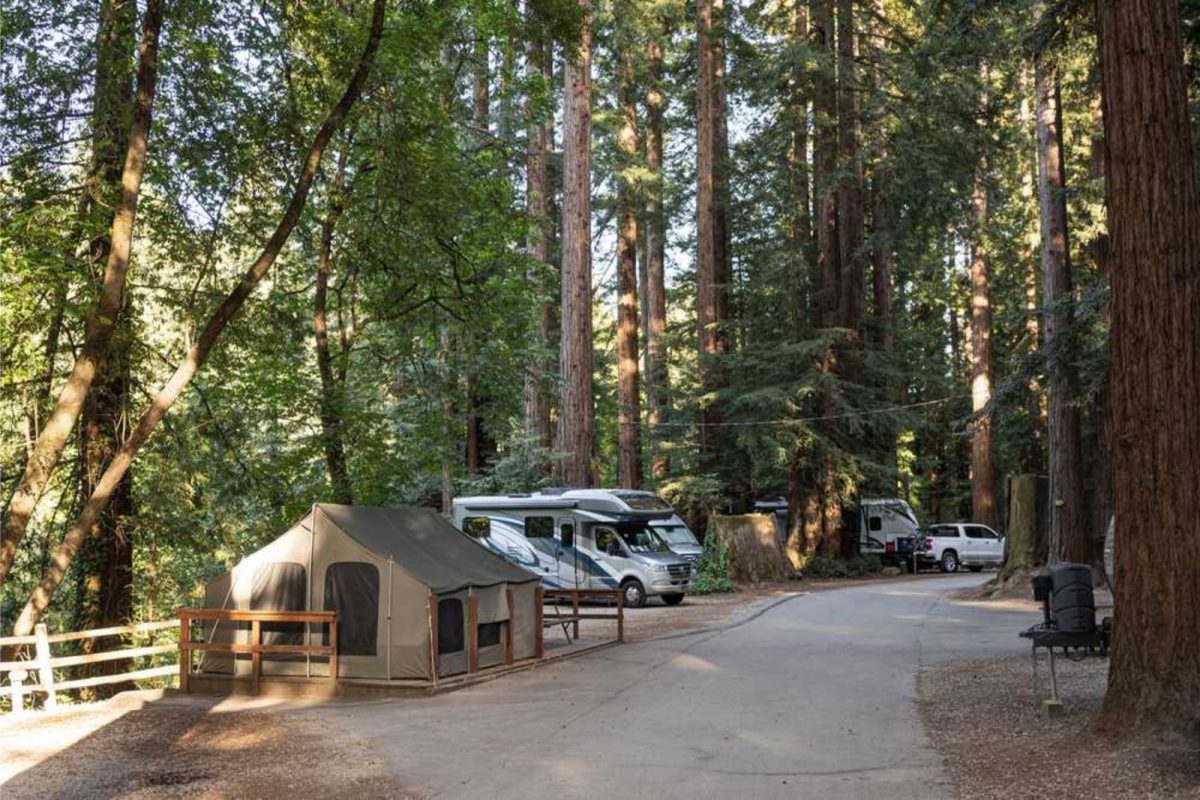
(568, 537)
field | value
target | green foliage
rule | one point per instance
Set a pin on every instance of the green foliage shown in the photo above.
(712, 571)
(822, 566)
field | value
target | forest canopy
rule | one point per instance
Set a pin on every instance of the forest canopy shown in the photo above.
(723, 250)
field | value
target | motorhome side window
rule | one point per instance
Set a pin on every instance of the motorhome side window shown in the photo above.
(539, 527)
(606, 541)
(477, 527)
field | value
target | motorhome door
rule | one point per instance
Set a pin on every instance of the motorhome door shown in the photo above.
(568, 554)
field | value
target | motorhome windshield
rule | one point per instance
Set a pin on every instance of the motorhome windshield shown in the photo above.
(676, 534)
(643, 540)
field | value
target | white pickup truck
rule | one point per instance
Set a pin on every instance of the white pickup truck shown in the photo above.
(967, 544)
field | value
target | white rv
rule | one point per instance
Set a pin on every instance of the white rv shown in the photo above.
(885, 527)
(583, 538)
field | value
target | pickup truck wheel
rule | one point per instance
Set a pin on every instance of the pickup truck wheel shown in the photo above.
(672, 599)
(949, 561)
(635, 593)
(975, 569)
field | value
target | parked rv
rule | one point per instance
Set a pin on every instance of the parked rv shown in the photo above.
(885, 527)
(584, 538)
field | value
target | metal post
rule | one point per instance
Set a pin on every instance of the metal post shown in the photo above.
(1053, 677)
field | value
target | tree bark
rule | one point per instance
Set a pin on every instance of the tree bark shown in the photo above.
(850, 188)
(538, 194)
(657, 396)
(1154, 225)
(829, 265)
(629, 439)
(332, 391)
(1068, 520)
(576, 421)
(983, 500)
(54, 434)
(197, 353)
(801, 175)
(104, 594)
(882, 217)
(711, 225)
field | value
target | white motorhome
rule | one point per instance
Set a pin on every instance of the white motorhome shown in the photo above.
(583, 538)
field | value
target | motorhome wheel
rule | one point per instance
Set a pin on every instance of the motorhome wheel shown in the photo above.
(635, 593)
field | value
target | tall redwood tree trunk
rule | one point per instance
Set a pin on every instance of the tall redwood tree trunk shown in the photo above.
(1154, 225)
(829, 264)
(983, 479)
(1068, 520)
(576, 421)
(850, 188)
(538, 194)
(711, 227)
(801, 255)
(657, 397)
(629, 440)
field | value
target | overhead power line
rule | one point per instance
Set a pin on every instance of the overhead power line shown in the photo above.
(795, 420)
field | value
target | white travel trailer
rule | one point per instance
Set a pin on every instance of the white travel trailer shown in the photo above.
(885, 527)
(583, 538)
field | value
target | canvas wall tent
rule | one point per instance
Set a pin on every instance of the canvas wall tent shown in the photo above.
(380, 569)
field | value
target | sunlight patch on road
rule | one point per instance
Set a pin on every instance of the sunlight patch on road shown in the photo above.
(694, 663)
(574, 774)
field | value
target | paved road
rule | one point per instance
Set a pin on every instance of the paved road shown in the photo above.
(811, 697)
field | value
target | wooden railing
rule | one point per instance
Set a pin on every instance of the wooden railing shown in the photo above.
(572, 619)
(255, 647)
(44, 663)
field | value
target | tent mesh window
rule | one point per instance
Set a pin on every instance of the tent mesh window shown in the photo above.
(451, 638)
(352, 590)
(489, 634)
(280, 586)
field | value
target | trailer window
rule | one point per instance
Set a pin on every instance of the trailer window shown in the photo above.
(489, 634)
(875, 523)
(539, 527)
(450, 626)
(477, 527)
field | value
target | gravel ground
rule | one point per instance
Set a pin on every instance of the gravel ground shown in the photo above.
(182, 746)
(983, 716)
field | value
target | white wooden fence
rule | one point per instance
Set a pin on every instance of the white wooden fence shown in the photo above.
(44, 664)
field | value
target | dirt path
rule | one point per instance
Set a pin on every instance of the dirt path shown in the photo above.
(128, 748)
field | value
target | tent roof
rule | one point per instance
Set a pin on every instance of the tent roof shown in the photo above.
(426, 545)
